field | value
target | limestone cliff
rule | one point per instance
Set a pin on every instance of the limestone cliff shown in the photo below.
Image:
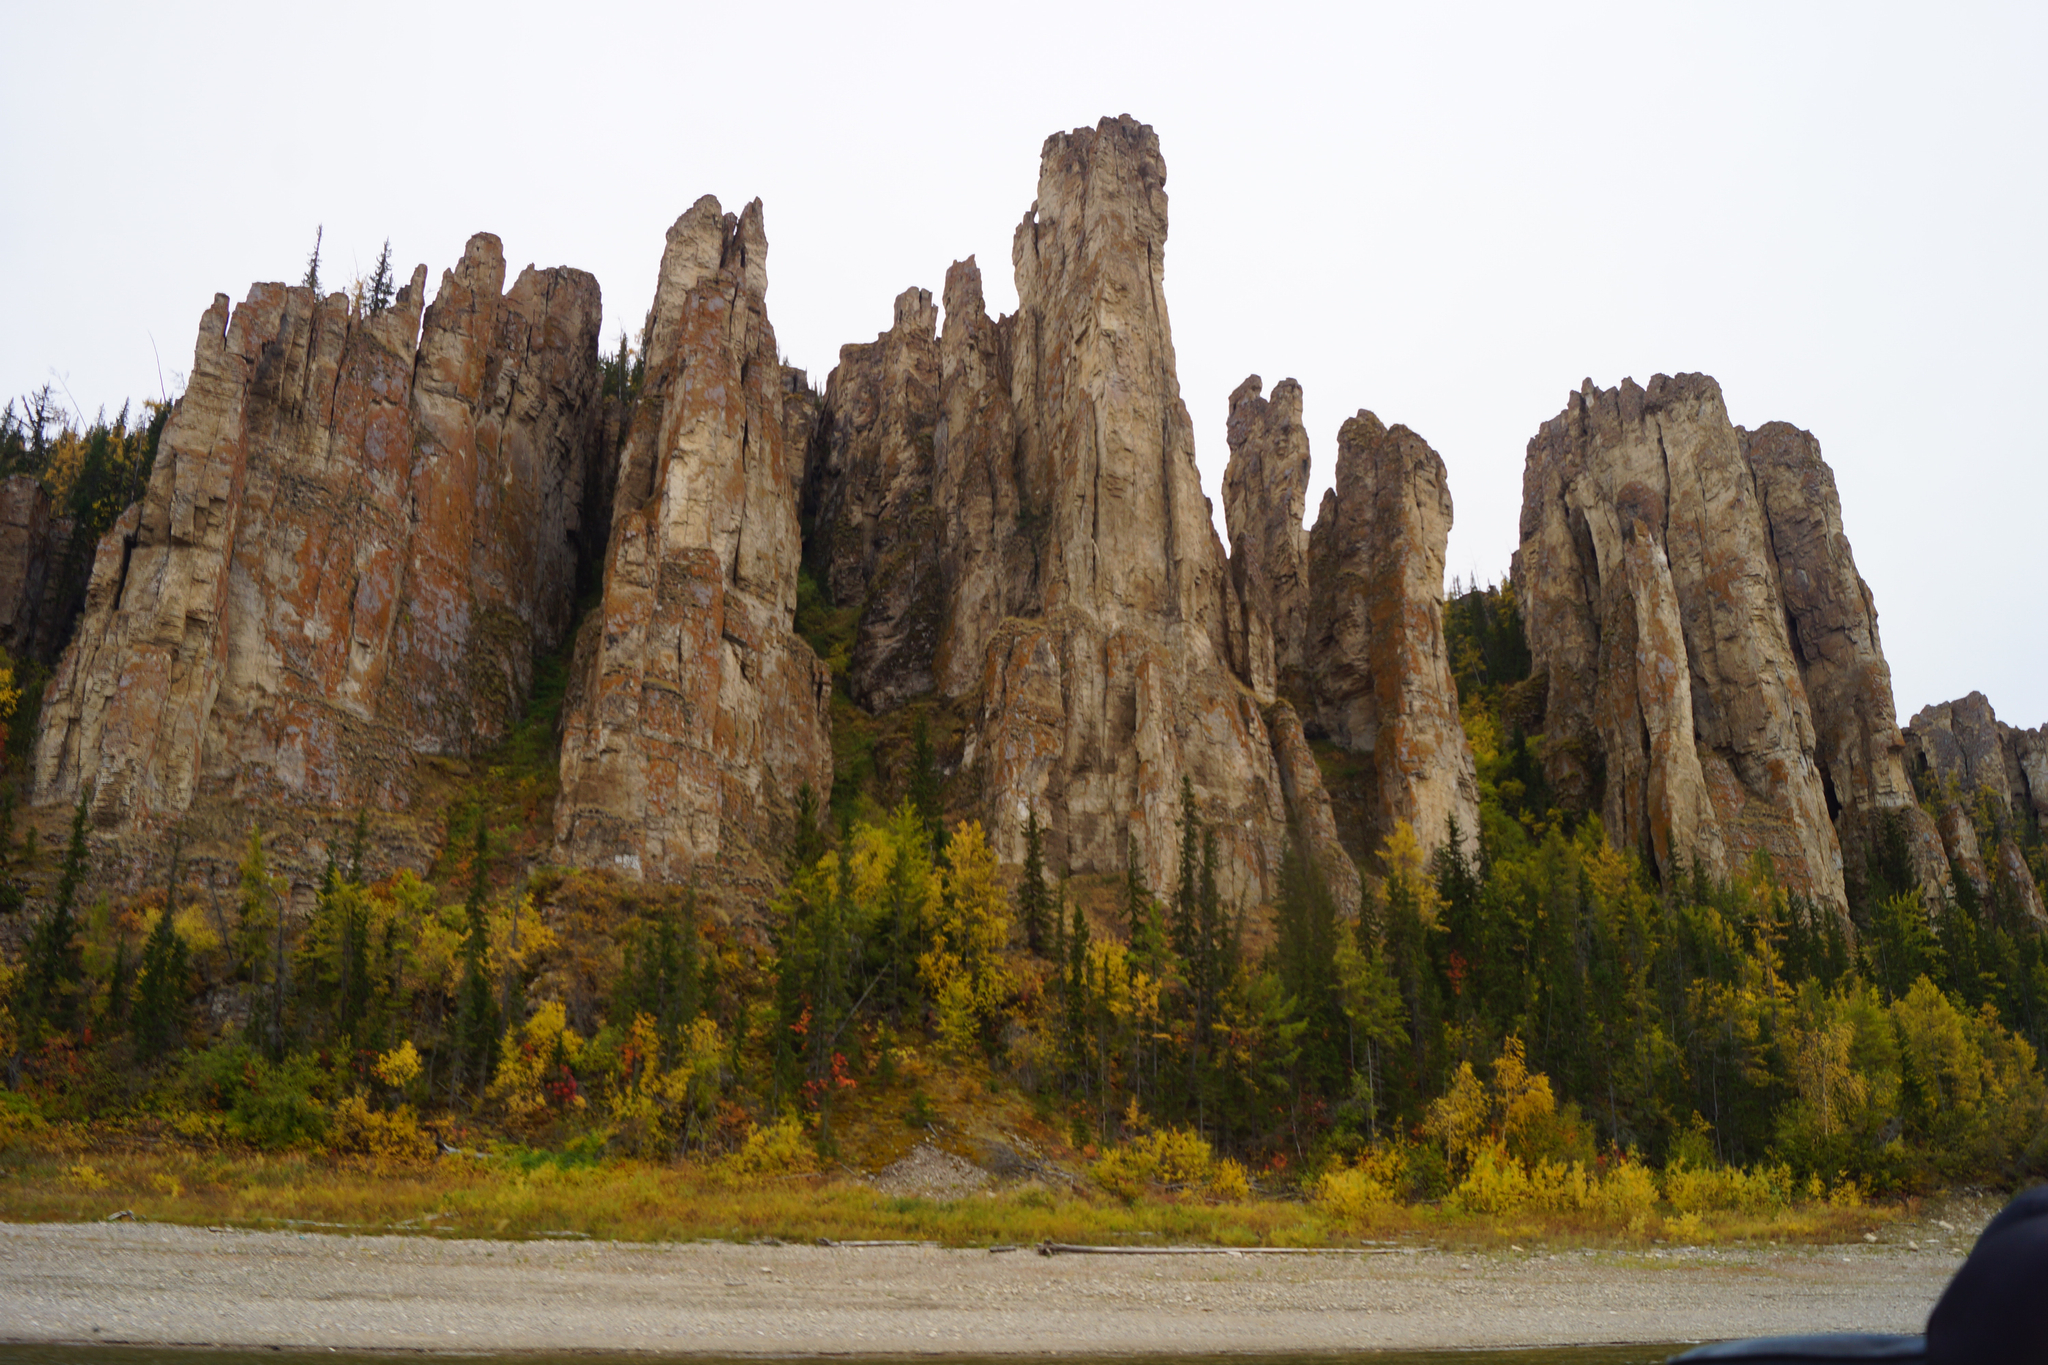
(1380, 675)
(694, 714)
(1988, 782)
(358, 533)
(1652, 602)
(874, 532)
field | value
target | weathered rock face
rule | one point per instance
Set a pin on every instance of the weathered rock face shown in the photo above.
(1379, 675)
(1265, 490)
(357, 535)
(29, 548)
(1832, 622)
(875, 534)
(1983, 777)
(694, 714)
(1652, 603)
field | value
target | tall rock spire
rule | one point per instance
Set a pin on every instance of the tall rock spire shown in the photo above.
(1380, 672)
(695, 714)
(1265, 492)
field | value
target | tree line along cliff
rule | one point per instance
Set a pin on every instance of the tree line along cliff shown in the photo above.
(362, 529)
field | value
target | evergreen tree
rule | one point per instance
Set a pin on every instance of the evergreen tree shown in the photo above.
(1058, 910)
(1888, 868)
(476, 1018)
(1032, 896)
(11, 897)
(359, 840)
(120, 986)
(1373, 1016)
(42, 416)
(1187, 895)
(1077, 992)
(379, 289)
(1900, 946)
(312, 280)
(924, 783)
(161, 984)
(1216, 945)
(260, 948)
(663, 978)
(808, 843)
(1140, 912)
(54, 968)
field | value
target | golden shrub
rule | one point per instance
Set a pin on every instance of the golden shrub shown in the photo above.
(533, 1072)
(1495, 1183)
(1176, 1157)
(1229, 1182)
(782, 1148)
(1628, 1194)
(399, 1067)
(1706, 1189)
(1348, 1195)
(388, 1137)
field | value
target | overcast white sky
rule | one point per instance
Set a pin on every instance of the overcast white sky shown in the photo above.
(1448, 214)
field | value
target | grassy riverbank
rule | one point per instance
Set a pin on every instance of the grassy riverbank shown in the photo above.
(523, 1194)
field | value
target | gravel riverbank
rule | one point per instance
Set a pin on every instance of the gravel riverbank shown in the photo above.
(162, 1284)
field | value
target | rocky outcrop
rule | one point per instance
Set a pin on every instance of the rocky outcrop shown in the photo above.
(1652, 602)
(874, 532)
(1379, 674)
(30, 544)
(358, 533)
(694, 714)
(1988, 783)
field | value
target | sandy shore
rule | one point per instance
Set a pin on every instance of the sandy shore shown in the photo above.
(160, 1284)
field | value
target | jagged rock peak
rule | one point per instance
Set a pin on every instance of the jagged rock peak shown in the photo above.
(1375, 652)
(358, 533)
(694, 714)
(1131, 533)
(1265, 492)
(1987, 781)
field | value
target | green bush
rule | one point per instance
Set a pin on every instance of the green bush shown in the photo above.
(272, 1105)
